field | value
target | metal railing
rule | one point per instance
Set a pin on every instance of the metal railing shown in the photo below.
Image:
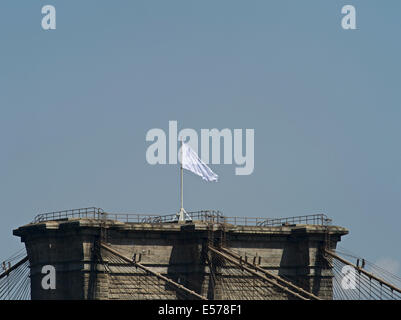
(312, 219)
(98, 213)
(88, 213)
(203, 215)
(209, 216)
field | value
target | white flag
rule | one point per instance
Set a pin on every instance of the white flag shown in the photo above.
(191, 162)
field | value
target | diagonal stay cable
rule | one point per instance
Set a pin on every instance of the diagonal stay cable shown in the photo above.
(381, 281)
(15, 266)
(264, 277)
(173, 283)
(271, 275)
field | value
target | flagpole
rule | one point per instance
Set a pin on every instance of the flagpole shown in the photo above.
(182, 211)
(182, 179)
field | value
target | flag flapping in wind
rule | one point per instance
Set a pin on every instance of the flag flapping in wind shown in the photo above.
(191, 162)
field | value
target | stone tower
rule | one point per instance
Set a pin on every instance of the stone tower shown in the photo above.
(178, 251)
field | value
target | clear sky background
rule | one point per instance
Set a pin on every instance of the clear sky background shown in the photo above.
(77, 102)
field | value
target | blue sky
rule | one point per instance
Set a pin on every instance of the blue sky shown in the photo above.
(76, 104)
